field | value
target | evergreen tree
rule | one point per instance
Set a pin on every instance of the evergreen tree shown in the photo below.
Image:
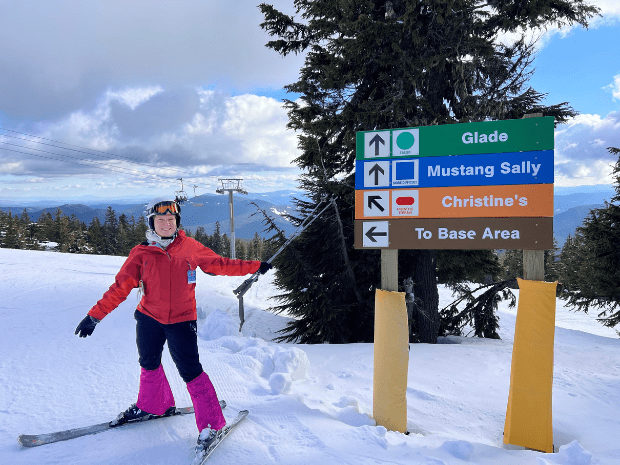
(590, 261)
(45, 232)
(124, 236)
(25, 218)
(11, 238)
(29, 232)
(552, 272)
(255, 248)
(62, 232)
(71, 235)
(94, 237)
(201, 236)
(78, 229)
(57, 233)
(216, 243)
(225, 246)
(573, 264)
(110, 232)
(241, 249)
(383, 65)
(139, 230)
(512, 264)
(3, 221)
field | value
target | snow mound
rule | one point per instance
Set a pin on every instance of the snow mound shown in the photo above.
(280, 383)
(351, 415)
(347, 409)
(291, 360)
(289, 363)
(570, 454)
(460, 449)
(218, 324)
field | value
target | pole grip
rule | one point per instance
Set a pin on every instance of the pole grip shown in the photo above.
(245, 285)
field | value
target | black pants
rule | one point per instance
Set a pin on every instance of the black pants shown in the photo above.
(182, 343)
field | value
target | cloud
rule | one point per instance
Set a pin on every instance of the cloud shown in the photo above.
(614, 87)
(610, 15)
(610, 10)
(581, 155)
(133, 97)
(169, 133)
(58, 57)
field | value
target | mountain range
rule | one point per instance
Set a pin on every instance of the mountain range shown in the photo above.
(571, 206)
(204, 210)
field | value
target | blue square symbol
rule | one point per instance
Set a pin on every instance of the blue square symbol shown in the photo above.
(405, 170)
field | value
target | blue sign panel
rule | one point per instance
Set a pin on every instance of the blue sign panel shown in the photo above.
(492, 169)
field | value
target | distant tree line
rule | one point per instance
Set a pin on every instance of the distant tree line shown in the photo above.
(115, 236)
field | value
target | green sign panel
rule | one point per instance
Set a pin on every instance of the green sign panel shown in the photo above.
(517, 135)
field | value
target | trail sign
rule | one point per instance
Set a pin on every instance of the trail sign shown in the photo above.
(484, 185)
(528, 200)
(517, 135)
(489, 169)
(456, 233)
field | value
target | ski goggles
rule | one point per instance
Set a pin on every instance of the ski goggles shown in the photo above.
(164, 207)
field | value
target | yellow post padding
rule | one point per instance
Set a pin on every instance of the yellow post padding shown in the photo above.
(391, 361)
(528, 415)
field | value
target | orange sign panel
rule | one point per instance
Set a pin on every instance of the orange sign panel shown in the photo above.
(524, 200)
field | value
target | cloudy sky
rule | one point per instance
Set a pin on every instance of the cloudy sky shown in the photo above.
(116, 98)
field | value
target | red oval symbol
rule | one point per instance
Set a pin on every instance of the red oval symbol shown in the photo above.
(405, 200)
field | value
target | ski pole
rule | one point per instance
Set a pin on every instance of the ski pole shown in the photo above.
(247, 284)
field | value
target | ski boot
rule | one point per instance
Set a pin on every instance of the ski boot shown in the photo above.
(133, 413)
(206, 438)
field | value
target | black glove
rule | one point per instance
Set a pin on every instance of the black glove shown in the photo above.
(265, 267)
(86, 326)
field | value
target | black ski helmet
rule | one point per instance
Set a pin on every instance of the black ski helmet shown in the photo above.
(168, 204)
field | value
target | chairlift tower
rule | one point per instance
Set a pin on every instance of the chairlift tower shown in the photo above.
(231, 185)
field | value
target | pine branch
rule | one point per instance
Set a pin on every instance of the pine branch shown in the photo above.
(479, 311)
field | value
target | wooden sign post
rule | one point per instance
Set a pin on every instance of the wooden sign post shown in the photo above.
(534, 260)
(389, 269)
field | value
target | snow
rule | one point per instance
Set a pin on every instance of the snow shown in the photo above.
(308, 404)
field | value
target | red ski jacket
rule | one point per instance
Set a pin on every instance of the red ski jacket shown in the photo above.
(168, 278)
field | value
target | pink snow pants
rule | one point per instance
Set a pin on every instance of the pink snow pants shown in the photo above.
(206, 406)
(155, 396)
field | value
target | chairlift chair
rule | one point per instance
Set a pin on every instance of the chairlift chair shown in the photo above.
(181, 196)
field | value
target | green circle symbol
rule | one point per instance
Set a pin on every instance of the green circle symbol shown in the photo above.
(405, 140)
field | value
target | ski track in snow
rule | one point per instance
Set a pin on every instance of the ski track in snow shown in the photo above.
(308, 404)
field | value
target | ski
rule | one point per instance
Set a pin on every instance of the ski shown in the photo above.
(202, 456)
(34, 440)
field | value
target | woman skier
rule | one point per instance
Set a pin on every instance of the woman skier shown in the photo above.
(164, 268)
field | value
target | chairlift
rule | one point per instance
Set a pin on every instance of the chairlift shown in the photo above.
(181, 196)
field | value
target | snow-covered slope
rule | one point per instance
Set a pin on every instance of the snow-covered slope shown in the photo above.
(308, 404)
